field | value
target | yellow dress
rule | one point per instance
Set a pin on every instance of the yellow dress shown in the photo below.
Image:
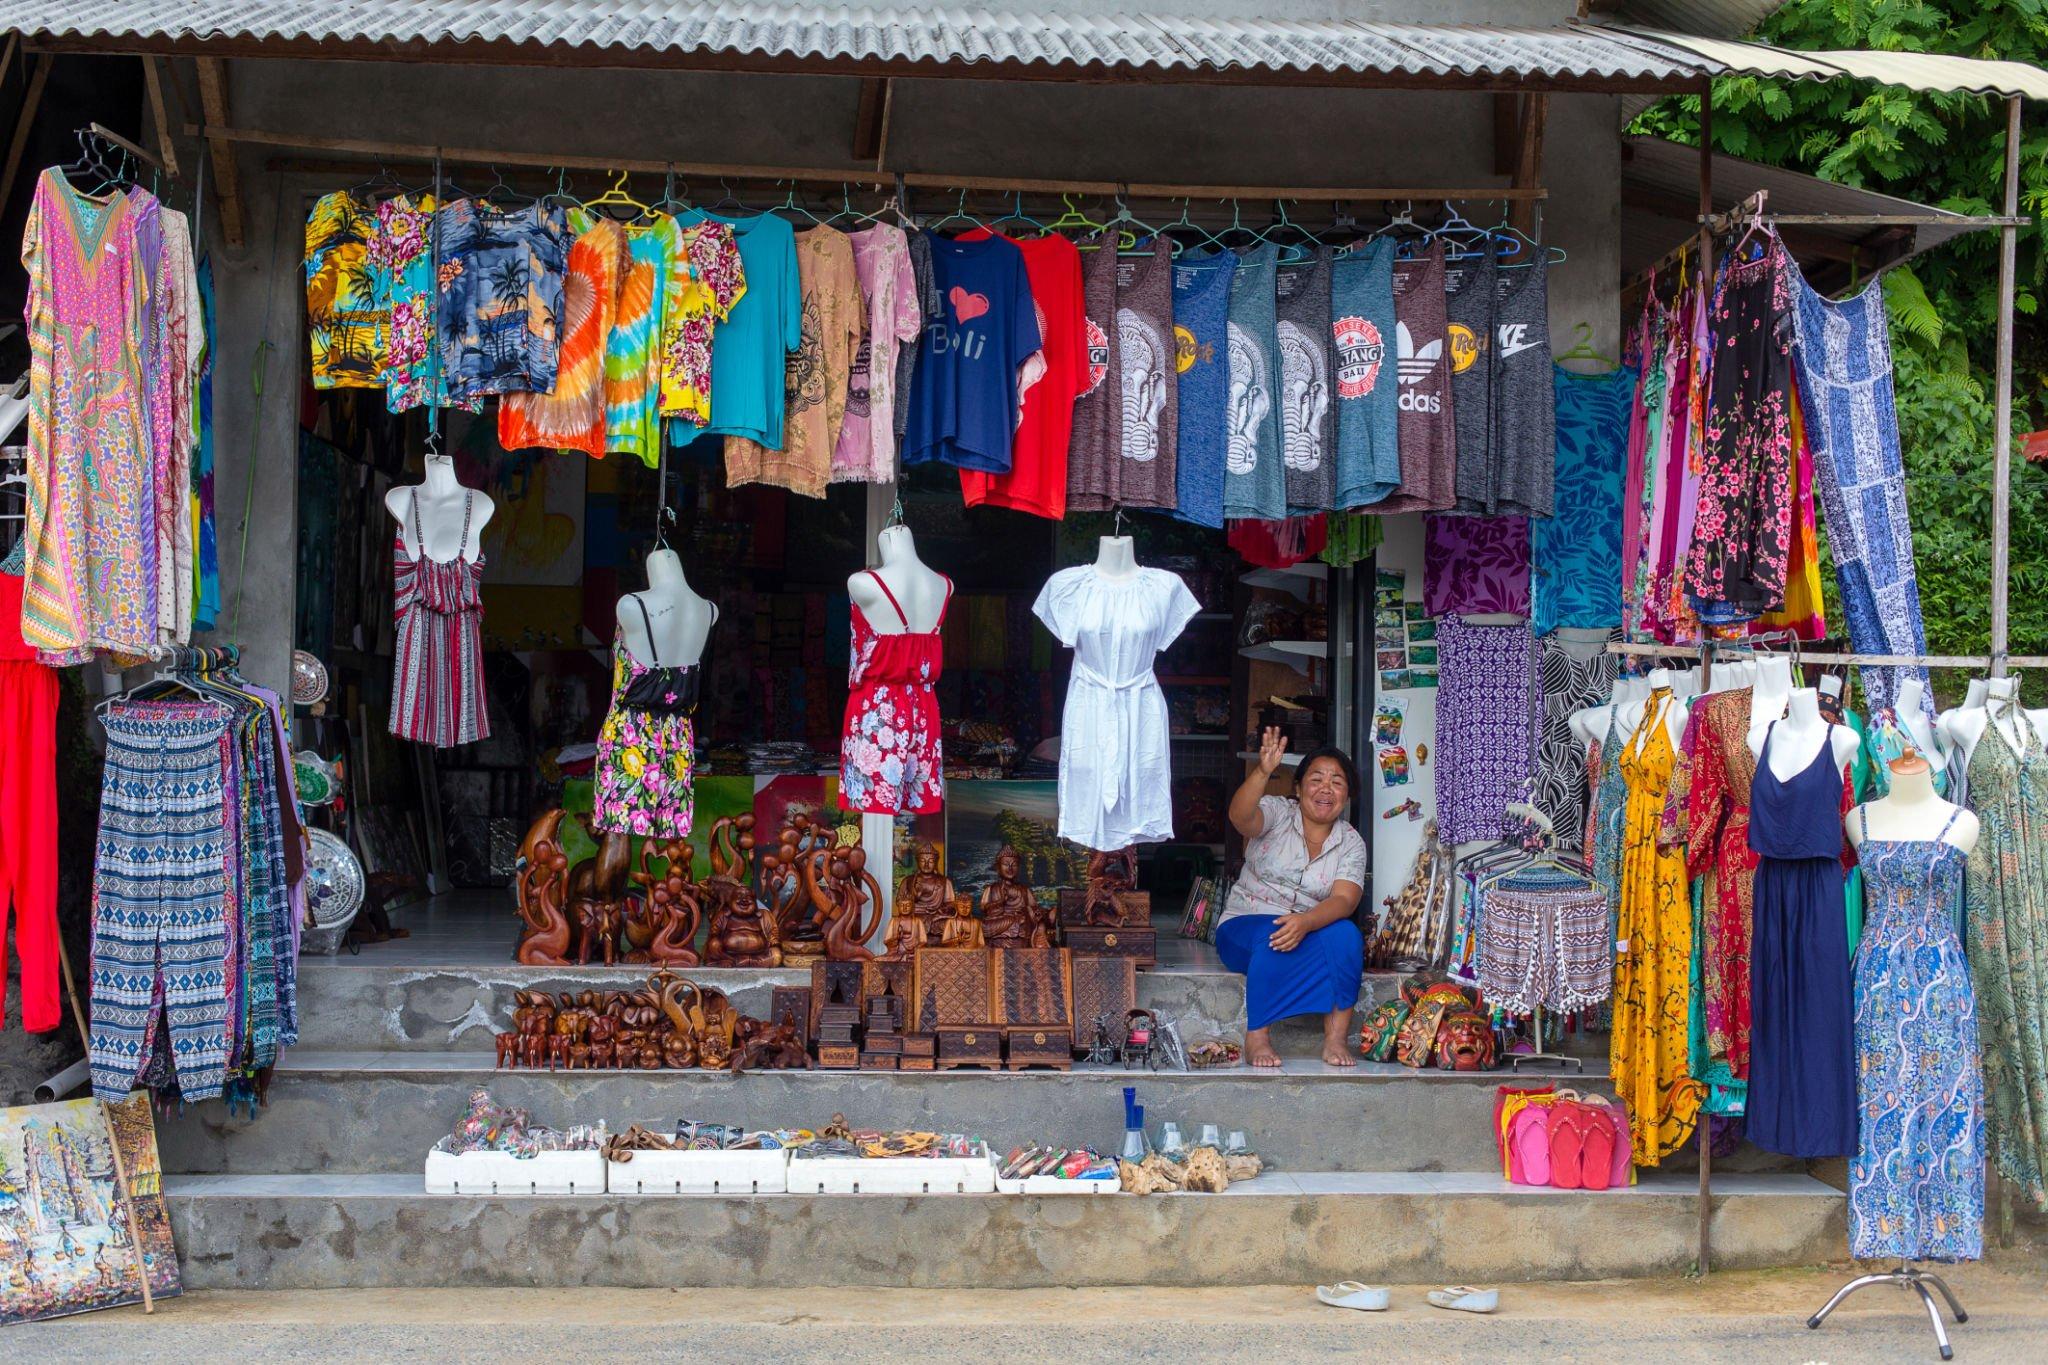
(1653, 956)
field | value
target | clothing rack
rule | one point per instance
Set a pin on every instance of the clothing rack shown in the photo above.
(1824, 657)
(424, 154)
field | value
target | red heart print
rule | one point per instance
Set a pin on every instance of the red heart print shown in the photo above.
(967, 307)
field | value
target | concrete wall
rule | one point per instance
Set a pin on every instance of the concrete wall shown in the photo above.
(1039, 130)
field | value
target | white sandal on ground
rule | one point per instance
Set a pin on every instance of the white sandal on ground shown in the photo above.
(1465, 1299)
(1367, 1298)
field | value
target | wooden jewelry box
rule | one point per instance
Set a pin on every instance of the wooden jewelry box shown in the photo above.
(975, 1045)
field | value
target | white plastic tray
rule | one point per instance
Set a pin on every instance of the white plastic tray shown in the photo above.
(892, 1175)
(502, 1173)
(745, 1172)
(1052, 1184)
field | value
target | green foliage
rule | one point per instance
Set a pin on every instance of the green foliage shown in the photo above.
(1948, 151)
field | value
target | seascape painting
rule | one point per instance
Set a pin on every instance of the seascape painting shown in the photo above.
(982, 816)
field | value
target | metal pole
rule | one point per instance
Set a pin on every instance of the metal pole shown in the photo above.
(2001, 430)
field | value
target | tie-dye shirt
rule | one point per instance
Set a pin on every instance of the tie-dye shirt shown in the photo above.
(572, 417)
(344, 318)
(632, 372)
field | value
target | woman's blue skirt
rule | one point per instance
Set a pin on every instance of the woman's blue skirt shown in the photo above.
(1321, 974)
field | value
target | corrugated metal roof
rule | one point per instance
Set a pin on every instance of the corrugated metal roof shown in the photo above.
(1660, 204)
(1035, 38)
(1913, 70)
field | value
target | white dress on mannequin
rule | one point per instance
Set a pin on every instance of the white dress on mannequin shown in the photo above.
(1116, 776)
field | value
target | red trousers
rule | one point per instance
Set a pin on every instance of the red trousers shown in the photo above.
(28, 838)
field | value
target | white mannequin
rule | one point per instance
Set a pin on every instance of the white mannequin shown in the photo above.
(1912, 811)
(1631, 714)
(1116, 557)
(681, 620)
(441, 502)
(920, 591)
(1973, 698)
(1911, 706)
(1591, 723)
(1770, 687)
(2001, 708)
(1800, 736)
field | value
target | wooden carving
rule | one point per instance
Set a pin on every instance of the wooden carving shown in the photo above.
(959, 929)
(743, 931)
(848, 900)
(1010, 915)
(662, 926)
(597, 893)
(787, 891)
(1110, 875)
(543, 892)
(763, 1045)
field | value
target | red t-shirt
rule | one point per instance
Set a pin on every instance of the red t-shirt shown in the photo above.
(1037, 481)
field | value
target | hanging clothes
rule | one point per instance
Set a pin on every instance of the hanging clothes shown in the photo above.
(1471, 303)
(1141, 471)
(1484, 703)
(1576, 554)
(2006, 930)
(401, 265)
(437, 663)
(751, 347)
(571, 415)
(1427, 426)
(1607, 821)
(1116, 774)
(1201, 319)
(646, 771)
(1522, 452)
(206, 550)
(500, 302)
(1653, 949)
(1308, 410)
(1575, 672)
(890, 757)
(90, 570)
(1803, 612)
(703, 283)
(1742, 537)
(1802, 1079)
(1916, 1186)
(1254, 477)
(1844, 359)
(346, 322)
(1543, 942)
(866, 452)
(1368, 408)
(28, 816)
(1475, 566)
(814, 374)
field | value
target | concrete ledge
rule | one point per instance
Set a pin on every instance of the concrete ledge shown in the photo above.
(379, 1112)
(315, 1232)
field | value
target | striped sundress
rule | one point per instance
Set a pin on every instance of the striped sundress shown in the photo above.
(437, 670)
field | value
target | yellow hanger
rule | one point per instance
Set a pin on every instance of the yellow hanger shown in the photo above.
(617, 195)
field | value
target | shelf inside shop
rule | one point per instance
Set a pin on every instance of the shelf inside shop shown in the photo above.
(1286, 760)
(1292, 579)
(1295, 653)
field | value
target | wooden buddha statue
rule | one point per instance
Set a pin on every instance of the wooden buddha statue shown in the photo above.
(926, 893)
(1009, 914)
(961, 929)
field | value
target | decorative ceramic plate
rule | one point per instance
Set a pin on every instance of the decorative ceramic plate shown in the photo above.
(334, 882)
(314, 777)
(309, 678)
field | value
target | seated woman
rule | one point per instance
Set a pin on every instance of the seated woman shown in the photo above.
(1287, 925)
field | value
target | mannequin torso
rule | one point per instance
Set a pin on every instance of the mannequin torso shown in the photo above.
(680, 620)
(1798, 738)
(1912, 811)
(1632, 713)
(1590, 724)
(1973, 698)
(1770, 687)
(442, 503)
(1968, 724)
(1912, 713)
(919, 591)
(1116, 557)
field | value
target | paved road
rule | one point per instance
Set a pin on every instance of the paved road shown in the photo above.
(1731, 1317)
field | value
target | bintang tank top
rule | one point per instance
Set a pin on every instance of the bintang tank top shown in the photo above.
(437, 667)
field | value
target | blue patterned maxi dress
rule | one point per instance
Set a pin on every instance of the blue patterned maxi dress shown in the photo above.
(1916, 1185)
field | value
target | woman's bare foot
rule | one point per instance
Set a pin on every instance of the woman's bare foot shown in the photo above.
(1336, 1039)
(1258, 1048)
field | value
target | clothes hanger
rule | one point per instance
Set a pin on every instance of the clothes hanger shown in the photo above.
(1131, 229)
(1074, 217)
(1185, 223)
(617, 195)
(670, 202)
(960, 211)
(1582, 346)
(1293, 253)
(849, 213)
(791, 205)
(500, 192)
(729, 198)
(1017, 215)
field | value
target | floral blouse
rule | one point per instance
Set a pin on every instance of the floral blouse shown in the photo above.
(705, 280)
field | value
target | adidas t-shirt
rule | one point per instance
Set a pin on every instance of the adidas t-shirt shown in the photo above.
(1428, 449)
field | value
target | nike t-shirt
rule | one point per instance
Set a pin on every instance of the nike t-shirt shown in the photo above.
(1525, 393)
(964, 399)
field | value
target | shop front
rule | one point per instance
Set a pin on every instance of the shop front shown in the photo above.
(820, 554)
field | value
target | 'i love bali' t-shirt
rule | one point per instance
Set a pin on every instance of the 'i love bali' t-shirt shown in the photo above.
(963, 409)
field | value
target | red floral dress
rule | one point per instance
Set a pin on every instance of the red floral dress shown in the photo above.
(889, 758)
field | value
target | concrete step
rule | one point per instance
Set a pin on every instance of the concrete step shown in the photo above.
(349, 1231)
(352, 1004)
(380, 1111)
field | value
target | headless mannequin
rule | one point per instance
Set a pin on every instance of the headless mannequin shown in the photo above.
(1632, 714)
(920, 591)
(1799, 737)
(1973, 699)
(441, 502)
(680, 620)
(1770, 689)
(1116, 557)
(1967, 725)
(1912, 712)
(1911, 810)
(1591, 723)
